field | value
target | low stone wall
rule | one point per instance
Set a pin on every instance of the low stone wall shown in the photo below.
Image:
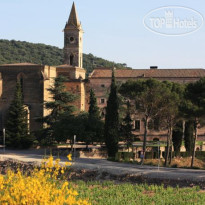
(94, 153)
(81, 153)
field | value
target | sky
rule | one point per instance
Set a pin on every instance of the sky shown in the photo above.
(113, 30)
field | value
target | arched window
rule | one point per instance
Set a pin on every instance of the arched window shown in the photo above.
(71, 59)
(27, 109)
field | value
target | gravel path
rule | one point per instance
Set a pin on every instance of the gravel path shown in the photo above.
(115, 168)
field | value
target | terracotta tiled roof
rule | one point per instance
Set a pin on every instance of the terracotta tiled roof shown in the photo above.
(20, 64)
(149, 73)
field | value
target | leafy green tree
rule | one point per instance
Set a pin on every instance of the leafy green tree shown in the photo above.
(17, 133)
(149, 98)
(195, 108)
(111, 129)
(60, 108)
(86, 130)
(170, 112)
(89, 125)
(126, 128)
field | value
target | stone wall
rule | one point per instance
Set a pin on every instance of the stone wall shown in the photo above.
(34, 82)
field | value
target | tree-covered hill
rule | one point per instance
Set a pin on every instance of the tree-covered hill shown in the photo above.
(21, 51)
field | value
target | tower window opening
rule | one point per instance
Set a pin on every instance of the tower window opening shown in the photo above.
(71, 39)
(71, 59)
(102, 101)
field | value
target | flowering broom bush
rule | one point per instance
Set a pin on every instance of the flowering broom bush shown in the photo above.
(39, 186)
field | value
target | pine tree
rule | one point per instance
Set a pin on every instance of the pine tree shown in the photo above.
(195, 108)
(60, 110)
(111, 130)
(17, 134)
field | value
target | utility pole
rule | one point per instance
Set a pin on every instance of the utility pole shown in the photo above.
(4, 139)
(158, 143)
(74, 141)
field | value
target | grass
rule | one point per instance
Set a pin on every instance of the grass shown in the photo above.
(108, 193)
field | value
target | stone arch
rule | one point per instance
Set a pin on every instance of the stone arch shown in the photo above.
(156, 139)
(21, 75)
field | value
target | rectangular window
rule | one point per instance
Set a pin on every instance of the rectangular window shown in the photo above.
(102, 85)
(102, 101)
(150, 125)
(137, 124)
(156, 124)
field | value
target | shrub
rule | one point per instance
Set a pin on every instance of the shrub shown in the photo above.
(40, 186)
(118, 156)
(127, 156)
(200, 154)
(148, 155)
(184, 154)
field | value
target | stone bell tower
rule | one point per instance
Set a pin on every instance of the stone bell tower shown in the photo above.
(73, 40)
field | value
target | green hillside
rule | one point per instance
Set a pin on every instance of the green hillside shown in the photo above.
(21, 51)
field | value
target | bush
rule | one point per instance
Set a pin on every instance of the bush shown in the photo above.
(200, 155)
(156, 155)
(184, 154)
(39, 186)
(148, 155)
(164, 154)
(127, 156)
(118, 156)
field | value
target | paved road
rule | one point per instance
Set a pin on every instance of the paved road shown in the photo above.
(112, 167)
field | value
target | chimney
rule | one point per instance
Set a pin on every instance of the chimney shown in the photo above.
(153, 67)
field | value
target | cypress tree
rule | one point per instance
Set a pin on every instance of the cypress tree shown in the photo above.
(177, 137)
(189, 136)
(112, 120)
(91, 123)
(93, 108)
(126, 127)
(17, 134)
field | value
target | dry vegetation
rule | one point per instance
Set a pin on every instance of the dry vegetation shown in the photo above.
(178, 162)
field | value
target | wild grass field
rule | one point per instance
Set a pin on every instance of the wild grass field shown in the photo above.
(109, 193)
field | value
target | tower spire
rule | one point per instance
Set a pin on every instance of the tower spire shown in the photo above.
(73, 18)
(73, 40)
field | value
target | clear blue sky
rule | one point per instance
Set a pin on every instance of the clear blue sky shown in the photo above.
(114, 30)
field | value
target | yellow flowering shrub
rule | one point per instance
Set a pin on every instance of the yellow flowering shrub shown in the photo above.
(40, 186)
